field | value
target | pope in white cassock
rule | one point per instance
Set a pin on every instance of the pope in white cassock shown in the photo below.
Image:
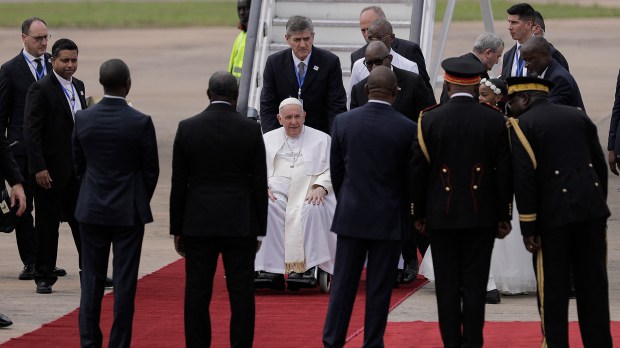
(301, 201)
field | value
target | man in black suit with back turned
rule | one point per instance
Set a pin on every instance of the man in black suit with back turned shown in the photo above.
(305, 72)
(370, 165)
(218, 204)
(462, 198)
(115, 156)
(51, 104)
(405, 48)
(16, 75)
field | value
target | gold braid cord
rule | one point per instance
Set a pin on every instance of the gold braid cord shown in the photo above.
(526, 144)
(421, 138)
(540, 281)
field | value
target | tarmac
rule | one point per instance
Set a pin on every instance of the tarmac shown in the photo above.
(170, 70)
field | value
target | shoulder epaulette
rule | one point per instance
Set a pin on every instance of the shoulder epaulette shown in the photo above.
(429, 108)
(491, 106)
(526, 144)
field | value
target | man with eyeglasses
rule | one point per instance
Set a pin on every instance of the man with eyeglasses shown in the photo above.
(311, 74)
(381, 30)
(16, 75)
(405, 48)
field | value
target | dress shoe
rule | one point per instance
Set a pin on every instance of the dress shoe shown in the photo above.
(493, 297)
(5, 321)
(108, 282)
(44, 288)
(59, 272)
(274, 281)
(410, 273)
(27, 273)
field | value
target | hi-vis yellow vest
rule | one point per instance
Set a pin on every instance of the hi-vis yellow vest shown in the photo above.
(236, 57)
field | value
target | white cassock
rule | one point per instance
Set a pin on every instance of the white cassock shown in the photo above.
(298, 234)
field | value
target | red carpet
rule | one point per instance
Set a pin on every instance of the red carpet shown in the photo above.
(420, 334)
(283, 319)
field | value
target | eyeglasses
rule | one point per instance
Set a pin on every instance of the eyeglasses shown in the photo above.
(378, 61)
(40, 38)
(378, 38)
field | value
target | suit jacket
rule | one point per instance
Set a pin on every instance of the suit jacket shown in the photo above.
(412, 97)
(509, 58)
(115, 157)
(15, 79)
(565, 90)
(48, 126)
(322, 92)
(8, 168)
(370, 162)
(405, 48)
(219, 176)
(471, 56)
(569, 182)
(466, 181)
(613, 142)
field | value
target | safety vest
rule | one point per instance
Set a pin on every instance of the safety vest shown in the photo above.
(236, 56)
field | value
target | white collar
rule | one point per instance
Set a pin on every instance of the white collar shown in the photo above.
(62, 80)
(32, 58)
(297, 60)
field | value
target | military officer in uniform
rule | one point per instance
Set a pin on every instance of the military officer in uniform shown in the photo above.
(463, 198)
(561, 193)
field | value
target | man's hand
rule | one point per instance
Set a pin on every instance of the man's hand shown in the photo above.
(271, 195)
(420, 225)
(317, 195)
(613, 161)
(531, 244)
(44, 179)
(17, 193)
(179, 245)
(503, 229)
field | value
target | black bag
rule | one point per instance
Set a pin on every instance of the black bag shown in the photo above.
(8, 219)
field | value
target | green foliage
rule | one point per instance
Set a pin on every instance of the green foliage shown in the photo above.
(469, 10)
(110, 14)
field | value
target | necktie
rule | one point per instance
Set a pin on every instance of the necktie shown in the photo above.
(39, 68)
(519, 62)
(301, 69)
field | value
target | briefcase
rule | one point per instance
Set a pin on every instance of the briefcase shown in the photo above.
(8, 219)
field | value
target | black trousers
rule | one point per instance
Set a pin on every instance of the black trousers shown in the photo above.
(380, 274)
(412, 245)
(51, 207)
(126, 242)
(201, 254)
(25, 233)
(461, 259)
(582, 246)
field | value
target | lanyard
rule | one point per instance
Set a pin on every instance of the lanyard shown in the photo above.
(70, 97)
(303, 78)
(39, 76)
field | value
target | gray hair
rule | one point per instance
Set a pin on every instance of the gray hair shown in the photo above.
(298, 24)
(376, 9)
(488, 40)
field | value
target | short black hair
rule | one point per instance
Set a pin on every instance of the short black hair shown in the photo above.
(113, 73)
(223, 84)
(524, 10)
(61, 45)
(28, 22)
(539, 20)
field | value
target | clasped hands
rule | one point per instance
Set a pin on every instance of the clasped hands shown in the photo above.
(315, 196)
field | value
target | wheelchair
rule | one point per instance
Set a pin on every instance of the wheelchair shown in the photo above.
(312, 278)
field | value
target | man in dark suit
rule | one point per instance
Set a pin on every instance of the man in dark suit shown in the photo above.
(613, 142)
(412, 95)
(306, 72)
(538, 61)
(10, 172)
(218, 204)
(487, 50)
(16, 75)
(411, 98)
(561, 193)
(462, 198)
(364, 174)
(523, 23)
(405, 48)
(51, 104)
(115, 156)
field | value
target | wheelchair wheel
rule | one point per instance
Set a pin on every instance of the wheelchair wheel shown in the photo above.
(325, 281)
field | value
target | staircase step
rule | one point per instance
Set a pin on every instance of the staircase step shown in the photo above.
(346, 9)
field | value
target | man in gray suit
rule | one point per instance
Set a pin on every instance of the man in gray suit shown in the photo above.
(115, 157)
